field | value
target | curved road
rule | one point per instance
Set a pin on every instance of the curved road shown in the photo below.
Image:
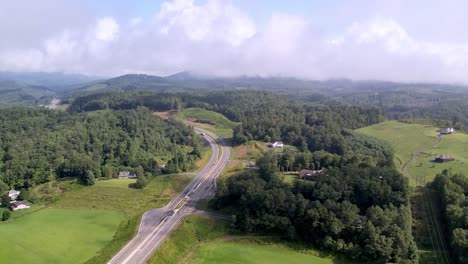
(158, 223)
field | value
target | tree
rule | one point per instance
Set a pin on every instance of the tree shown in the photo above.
(267, 165)
(24, 195)
(141, 182)
(5, 199)
(3, 186)
(6, 215)
(88, 178)
(139, 171)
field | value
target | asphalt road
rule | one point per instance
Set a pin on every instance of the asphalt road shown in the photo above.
(158, 223)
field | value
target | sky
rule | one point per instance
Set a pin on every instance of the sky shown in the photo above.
(395, 40)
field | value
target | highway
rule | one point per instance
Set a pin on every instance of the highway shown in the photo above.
(158, 223)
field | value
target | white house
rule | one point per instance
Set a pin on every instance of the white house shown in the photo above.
(15, 206)
(278, 144)
(13, 195)
(126, 175)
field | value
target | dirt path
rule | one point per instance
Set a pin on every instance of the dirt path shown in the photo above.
(417, 154)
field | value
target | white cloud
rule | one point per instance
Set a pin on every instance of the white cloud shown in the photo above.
(215, 21)
(106, 29)
(218, 38)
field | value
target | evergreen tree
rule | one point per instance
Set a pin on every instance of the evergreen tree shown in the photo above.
(6, 215)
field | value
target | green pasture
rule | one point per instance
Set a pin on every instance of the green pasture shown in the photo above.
(407, 139)
(212, 121)
(56, 235)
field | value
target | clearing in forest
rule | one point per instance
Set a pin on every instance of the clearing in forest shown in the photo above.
(415, 147)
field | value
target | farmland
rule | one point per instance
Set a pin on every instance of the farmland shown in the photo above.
(109, 211)
(56, 235)
(422, 142)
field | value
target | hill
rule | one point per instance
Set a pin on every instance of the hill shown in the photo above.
(398, 100)
(415, 147)
(18, 93)
(56, 81)
(129, 82)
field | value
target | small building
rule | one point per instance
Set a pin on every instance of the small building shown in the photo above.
(310, 174)
(277, 144)
(127, 175)
(443, 158)
(15, 206)
(13, 195)
(447, 131)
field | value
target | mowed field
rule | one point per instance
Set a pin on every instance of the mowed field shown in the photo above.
(84, 223)
(408, 139)
(57, 235)
(202, 240)
(220, 251)
(209, 120)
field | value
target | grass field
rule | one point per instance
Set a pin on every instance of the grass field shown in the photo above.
(116, 195)
(199, 239)
(409, 138)
(83, 223)
(209, 120)
(220, 251)
(251, 150)
(57, 235)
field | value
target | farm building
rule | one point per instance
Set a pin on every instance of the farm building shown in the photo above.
(443, 158)
(309, 174)
(126, 175)
(15, 206)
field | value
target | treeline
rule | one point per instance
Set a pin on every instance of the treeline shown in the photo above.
(439, 103)
(38, 145)
(453, 189)
(362, 213)
(267, 117)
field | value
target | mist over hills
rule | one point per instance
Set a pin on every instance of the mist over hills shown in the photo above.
(19, 93)
(398, 100)
(56, 80)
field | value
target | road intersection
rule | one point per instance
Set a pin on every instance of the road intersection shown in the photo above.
(158, 223)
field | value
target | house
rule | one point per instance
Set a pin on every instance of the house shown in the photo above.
(13, 195)
(447, 131)
(443, 158)
(15, 206)
(310, 174)
(127, 175)
(277, 144)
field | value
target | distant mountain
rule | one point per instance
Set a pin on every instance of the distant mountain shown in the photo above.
(18, 93)
(55, 81)
(131, 82)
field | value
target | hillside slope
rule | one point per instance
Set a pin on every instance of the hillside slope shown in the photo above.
(17, 93)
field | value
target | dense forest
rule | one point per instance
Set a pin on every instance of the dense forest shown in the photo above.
(362, 213)
(268, 117)
(38, 145)
(453, 189)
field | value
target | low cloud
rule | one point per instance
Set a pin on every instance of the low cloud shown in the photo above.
(220, 39)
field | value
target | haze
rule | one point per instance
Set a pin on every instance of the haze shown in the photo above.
(388, 40)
